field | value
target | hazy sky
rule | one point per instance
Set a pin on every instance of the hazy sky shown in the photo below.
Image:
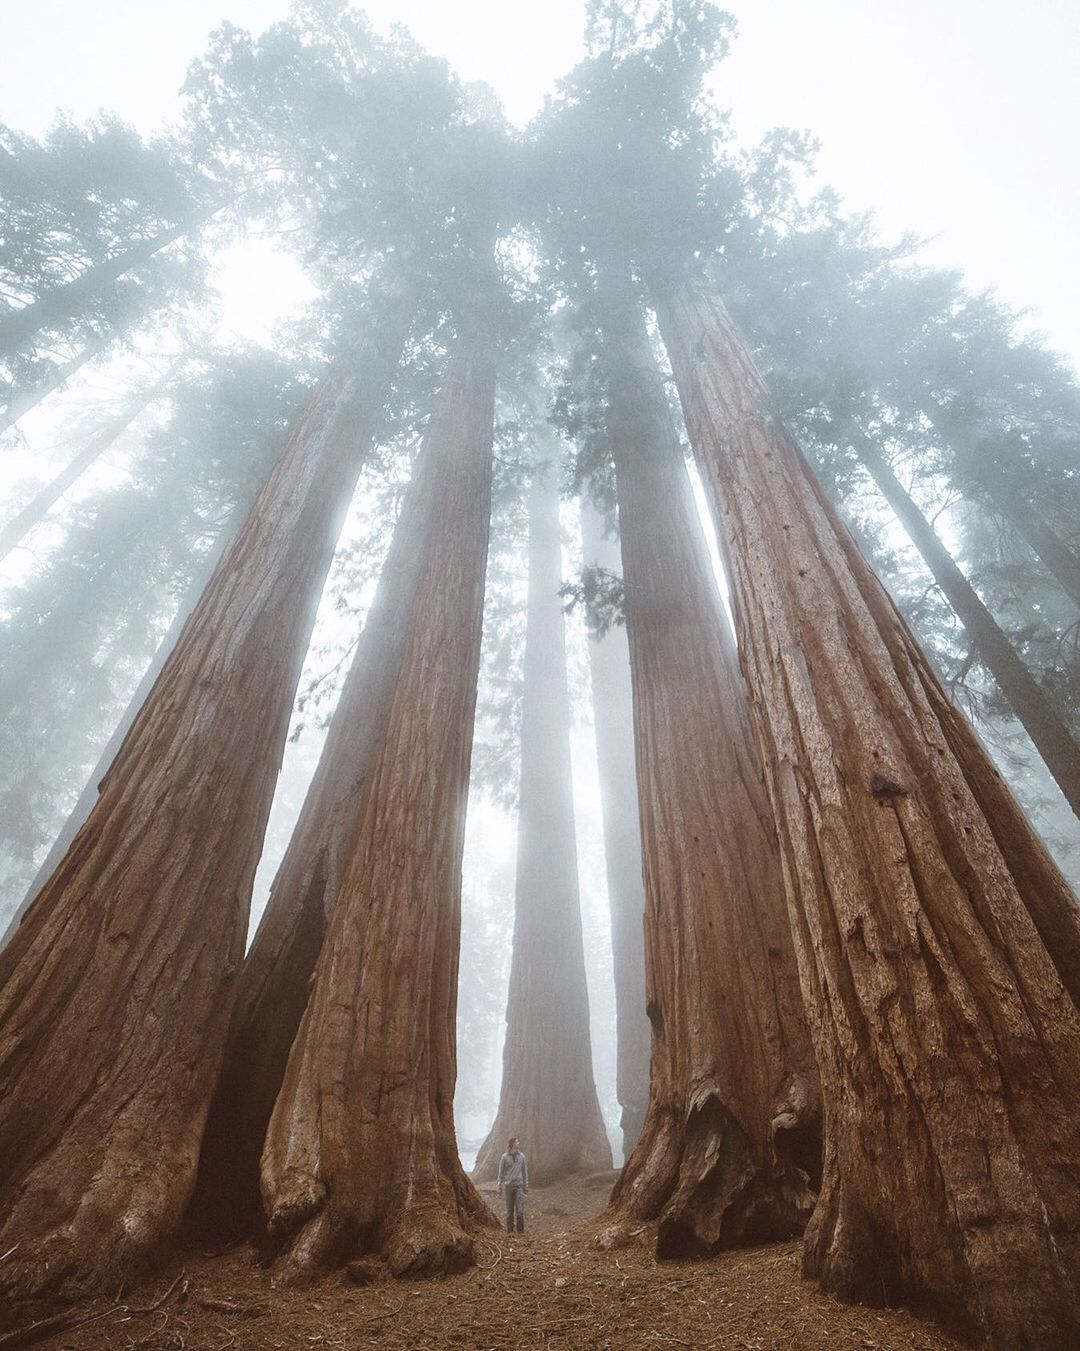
(954, 118)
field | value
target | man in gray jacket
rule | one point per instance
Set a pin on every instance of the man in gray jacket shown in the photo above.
(514, 1181)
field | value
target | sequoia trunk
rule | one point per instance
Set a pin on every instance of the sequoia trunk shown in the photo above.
(613, 720)
(275, 979)
(548, 1095)
(730, 1136)
(1040, 719)
(949, 1048)
(89, 795)
(361, 1154)
(116, 989)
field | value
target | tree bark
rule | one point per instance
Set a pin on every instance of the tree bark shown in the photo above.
(18, 327)
(115, 991)
(548, 1094)
(613, 716)
(89, 796)
(949, 1049)
(276, 976)
(360, 1155)
(1040, 719)
(731, 1132)
(22, 402)
(42, 502)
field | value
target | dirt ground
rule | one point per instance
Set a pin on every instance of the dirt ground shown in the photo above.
(548, 1289)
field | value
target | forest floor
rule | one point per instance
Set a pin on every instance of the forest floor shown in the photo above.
(546, 1290)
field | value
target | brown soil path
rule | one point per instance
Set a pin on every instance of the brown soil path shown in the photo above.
(549, 1290)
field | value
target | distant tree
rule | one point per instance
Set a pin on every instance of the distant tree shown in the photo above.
(90, 213)
(548, 1093)
(613, 721)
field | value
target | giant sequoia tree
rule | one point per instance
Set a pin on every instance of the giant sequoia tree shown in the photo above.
(360, 1153)
(113, 1003)
(548, 1096)
(732, 1125)
(920, 898)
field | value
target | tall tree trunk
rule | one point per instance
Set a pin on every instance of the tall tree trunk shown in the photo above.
(548, 1094)
(115, 991)
(22, 402)
(1043, 540)
(276, 976)
(613, 718)
(89, 796)
(1040, 719)
(18, 327)
(360, 1154)
(949, 1048)
(732, 1126)
(42, 502)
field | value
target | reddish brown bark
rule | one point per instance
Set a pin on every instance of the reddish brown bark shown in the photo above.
(361, 1154)
(116, 989)
(276, 976)
(949, 1048)
(613, 719)
(89, 795)
(732, 1123)
(548, 1094)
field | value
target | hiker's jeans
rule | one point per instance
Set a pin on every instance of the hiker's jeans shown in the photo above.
(515, 1209)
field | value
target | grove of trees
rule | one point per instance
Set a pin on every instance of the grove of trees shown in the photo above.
(840, 785)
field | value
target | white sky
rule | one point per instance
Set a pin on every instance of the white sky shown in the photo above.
(954, 118)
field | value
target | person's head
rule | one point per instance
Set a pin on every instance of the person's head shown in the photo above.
(511, 1144)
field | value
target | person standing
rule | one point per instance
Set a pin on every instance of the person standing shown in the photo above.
(514, 1181)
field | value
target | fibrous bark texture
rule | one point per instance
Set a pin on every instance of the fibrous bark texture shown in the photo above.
(613, 720)
(949, 1049)
(1047, 729)
(116, 989)
(361, 1155)
(89, 795)
(730, 1137)
(276, 976)
(548, 1095)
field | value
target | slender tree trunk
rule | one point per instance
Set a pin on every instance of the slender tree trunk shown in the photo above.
(1040, 719)
(613, 715)
(276, 976)
(22, 402)
(732, 1127)
(64, 302)
(949, 1049)
(116, 990)
(1043, 540)
(548, 1094)
(89, 796)
(360, 1155)
(42, 502)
